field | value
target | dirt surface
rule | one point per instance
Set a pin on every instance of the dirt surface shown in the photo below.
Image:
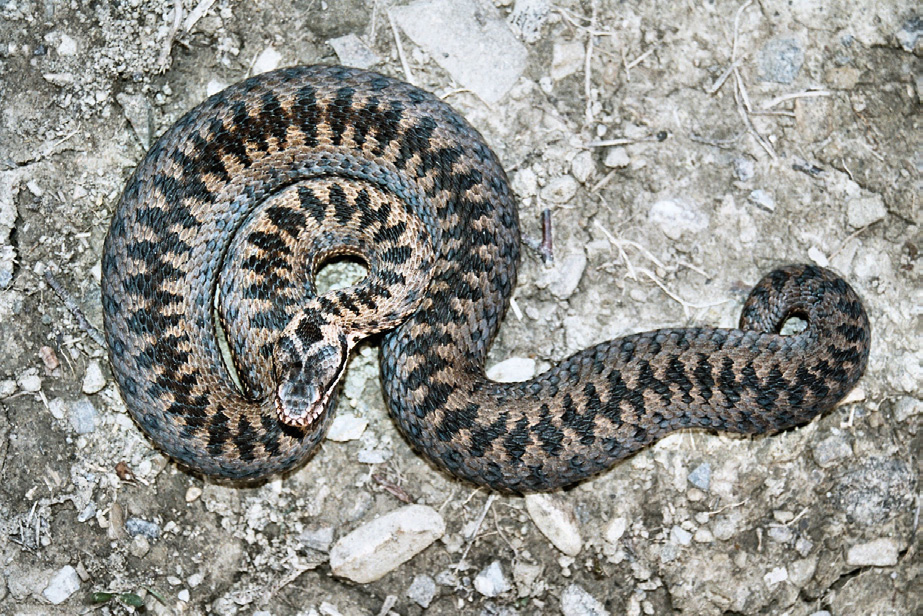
(703, 188)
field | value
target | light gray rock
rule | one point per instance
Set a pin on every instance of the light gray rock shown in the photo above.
(582, 166)
(744, 169)
(512, 370)
(678, 216)
(528, 17)
(763, 200)
(65, 583)
(560, 190)
(491, 582)
(877, 553)
(780, 60)
(562, 280)
(139, 113)
(575, 601)
(82, 416)
(701, 476)
(381, 545)
(422, 590)
(567, 57)
(617, 157)
(317, 538)
(29, 380)
(352, 51)
(93, 380)
(556, 520)
(346, 427)
(865, 210)
(468, 40)
(831, 450)
(680, 536)
(137, 526)
(268, 60)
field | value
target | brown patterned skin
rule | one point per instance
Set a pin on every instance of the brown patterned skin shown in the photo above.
(250, 191)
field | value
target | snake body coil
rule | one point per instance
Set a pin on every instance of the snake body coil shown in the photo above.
(247, 194)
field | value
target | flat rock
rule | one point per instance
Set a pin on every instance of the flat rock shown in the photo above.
(352, 51)
(877, 553)
(93, 380)
(864, 211)
(678, 216)
(780, 60)
(65, 583)
(469, 41)
(512, 370)
(380, 546)
(556, 520)
(346, 427)
(422, 590)
(491, 582)
(575, 601)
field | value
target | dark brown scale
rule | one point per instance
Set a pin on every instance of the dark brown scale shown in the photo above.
(250, 191)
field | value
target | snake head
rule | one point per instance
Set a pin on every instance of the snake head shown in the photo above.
(308, 361)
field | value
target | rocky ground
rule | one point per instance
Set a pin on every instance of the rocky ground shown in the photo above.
(683, 149)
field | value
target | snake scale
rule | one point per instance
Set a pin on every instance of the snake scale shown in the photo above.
(226, 220)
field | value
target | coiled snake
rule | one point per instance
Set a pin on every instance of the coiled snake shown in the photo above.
(248, 193)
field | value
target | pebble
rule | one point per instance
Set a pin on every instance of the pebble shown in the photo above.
(67, 46)
(701, 476)
(560, 190)
(525, 183)
(491, 582)
(617, 157)
(582, 166)
(575, 601)
(93, 380)
(82, 416)
(195, 579)
(556, 520)
(678, 216)
(268, 60)
(615, 529)
(528, 16)
(353, 52)
(137, 110)
(864, 211)
(877, 553)
(780, 534)
(680, 536)
(381, 545)
(7, 388)
(744, 169)
(450, 29)
(831, 450)
(910, 34)
(193, 493)
(140, 546)
(905, 408)
(780, 60)
(183, 595)
(567, 57)
(137, 526)
(562, 280)
(346, 427)
(763, 200)
(317, 538)
(512, 370)
(65, 583)
(801, 571)
(214, 86)
(30, 381)
(777, 575)
(422, 590)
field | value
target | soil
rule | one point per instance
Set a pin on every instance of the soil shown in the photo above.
(673, 186)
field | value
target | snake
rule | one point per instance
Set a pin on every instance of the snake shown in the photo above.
(222, 228)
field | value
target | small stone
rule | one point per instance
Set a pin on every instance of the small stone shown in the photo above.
(381, 545)
(195, 579)
(556, 520)
(138, 111)
(214, 86)
(560, 190)
(528, 16)
(744, 169)
(818, 257)
(67, 46)
(877, 553)
(567, 58)
(83, 416)
(525, 183)
(801, 571)
(93, 380)
(373, 456)
(49, 358)
(29, 381)
(562, 280)
(831, 450)
(617, 157)
(353, 52)
(268, 60)
(905, 408)
(582, 166)
(779, 574)
(422, 590)
(678, 216)
(780, 534)
(346, 427)
(65, 583)
(703, 535)
(7, 388)
(910, 34)
(193, 493)
(780, 60)
(317, 538)
(491, 582)
(183, 595)
(512, 370)
(803, 546)
(137, 526)
(140, 546)
(615, 529)
(680, 536)
(864, 211)
(575, 601)
(701, 476)
(763, 200)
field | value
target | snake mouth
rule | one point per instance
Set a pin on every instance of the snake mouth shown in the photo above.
(299, 409)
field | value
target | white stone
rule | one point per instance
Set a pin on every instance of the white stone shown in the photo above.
(317, 538)
(67, 46)
(582, 166)
(491, 582)
(763, 200)
(877, 553)
(352, 51)
(380, 546)
(678, 216)
(195, 579)
(65, 583)
(680, 536)
(525, 183)
(83, 416)
(563, 278)
(615, 529)
(268, 60)
(29, 381)
(560, 190)
(617, 157)
(567, 57)
(7, 388)
(512, 370)
(346, 427)
(183, 595)
(193, 493)
(93, 380)
(575, 601)
(422, 590)
(214, 86)
(556, 520)
(779, 574)
(865, 210)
